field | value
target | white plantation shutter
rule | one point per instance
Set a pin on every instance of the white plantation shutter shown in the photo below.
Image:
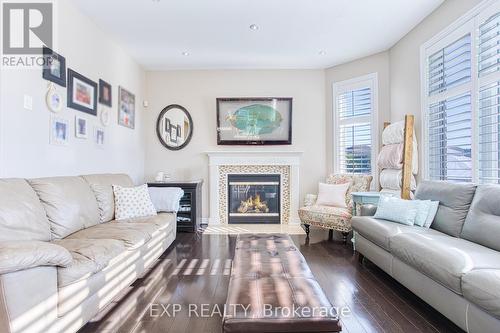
(355, 148)
(354, 114)
(450, 139)
(355, 103)
(450, 66)
(449, 111)
(489, 99)
(461, 103)
(489, 46)
(489, 132)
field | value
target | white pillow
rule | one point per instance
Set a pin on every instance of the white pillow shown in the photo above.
(166, 199)
(332, 195)
(131, 202)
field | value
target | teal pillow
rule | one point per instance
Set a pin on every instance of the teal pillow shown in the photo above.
(396, 210)
(422, 211)
(433, 208)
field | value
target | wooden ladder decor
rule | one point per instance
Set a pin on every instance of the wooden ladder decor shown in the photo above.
(407, 155)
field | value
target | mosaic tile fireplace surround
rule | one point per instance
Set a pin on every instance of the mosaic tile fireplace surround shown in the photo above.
(274, 198)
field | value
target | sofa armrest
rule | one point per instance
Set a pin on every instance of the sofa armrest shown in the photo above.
(367, 210)
(28, 300)
(21, 255)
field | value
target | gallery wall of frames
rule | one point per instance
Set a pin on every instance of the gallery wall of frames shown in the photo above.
(83, 95)
(80, 112)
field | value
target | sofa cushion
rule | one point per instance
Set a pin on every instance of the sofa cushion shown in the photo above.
(89, 257)
(482, 287)
(327, 217)
(132, 232)
(132, 236)
(454, 202)
(69, 202)
(158, 222)
(22, 216)
(101, 184)
(381, 231)
(443, 258)
(482, 224)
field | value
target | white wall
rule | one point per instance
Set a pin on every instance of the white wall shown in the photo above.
(24, 146)
(24, 135)
(377, 63)
(197, 92)
(405, 61)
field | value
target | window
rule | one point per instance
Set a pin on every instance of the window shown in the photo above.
(461, 99)
(489, 47)
(354, 119)
(450, 139)
(450, 66)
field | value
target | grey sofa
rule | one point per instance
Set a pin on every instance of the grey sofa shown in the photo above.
(455, 265)
(63, 257)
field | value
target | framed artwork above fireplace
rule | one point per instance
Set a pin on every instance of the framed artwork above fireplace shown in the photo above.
(254, 121)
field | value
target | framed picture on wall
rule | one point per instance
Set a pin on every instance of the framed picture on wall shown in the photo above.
(59, 131)
(105, 96)
(99, 136)
(82, 93)
(254, 121)
(81, 127)
(126, 108)
(54, 67)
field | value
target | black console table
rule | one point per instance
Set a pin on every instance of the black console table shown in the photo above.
(189, 214)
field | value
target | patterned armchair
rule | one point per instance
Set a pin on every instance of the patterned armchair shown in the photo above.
(334, 218)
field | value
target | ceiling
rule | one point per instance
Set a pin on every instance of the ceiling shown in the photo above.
(216, 34)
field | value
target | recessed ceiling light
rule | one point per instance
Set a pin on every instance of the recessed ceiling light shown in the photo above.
(321, 52)
(185, 53)
(254, 27)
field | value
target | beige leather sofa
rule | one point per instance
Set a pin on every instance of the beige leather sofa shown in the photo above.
(455, 265)
(62, 256)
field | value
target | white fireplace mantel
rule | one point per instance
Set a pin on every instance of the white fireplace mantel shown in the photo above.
(216, 159)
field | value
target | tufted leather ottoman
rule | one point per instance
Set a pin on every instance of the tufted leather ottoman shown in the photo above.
(272, 289)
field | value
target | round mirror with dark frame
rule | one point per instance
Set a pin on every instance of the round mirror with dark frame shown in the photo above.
(174, 127)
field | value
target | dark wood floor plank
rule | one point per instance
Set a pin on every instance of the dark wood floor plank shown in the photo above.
(366, 286)
(400, 303)
(360, 319)
(435, 319)
(195, 269)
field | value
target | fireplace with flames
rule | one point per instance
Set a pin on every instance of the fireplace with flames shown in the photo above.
(254, 198)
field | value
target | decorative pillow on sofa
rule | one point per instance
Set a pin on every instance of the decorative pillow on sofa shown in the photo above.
(332, 195)
(166, 199)
(396, 210)
(131, 202)
(433, 208)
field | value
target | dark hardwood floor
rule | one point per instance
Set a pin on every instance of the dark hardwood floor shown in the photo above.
(196, 268)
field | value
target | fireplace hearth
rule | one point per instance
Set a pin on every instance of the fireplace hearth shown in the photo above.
(254, 198)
